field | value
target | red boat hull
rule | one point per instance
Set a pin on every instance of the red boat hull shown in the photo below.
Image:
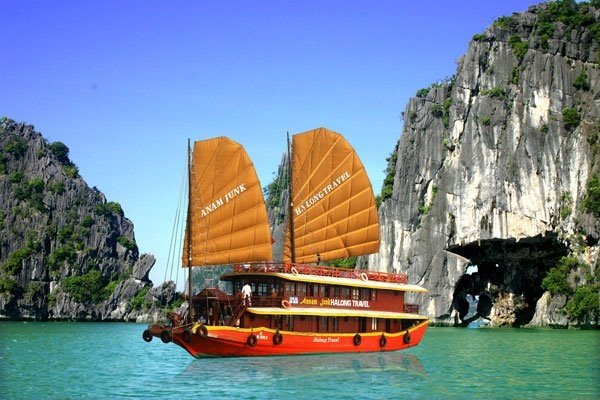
(224, 341)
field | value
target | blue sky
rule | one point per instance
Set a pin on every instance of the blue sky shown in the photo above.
(124, 84)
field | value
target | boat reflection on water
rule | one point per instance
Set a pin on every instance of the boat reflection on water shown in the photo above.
(311, 365)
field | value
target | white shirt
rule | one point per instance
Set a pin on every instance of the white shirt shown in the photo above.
(246, 291)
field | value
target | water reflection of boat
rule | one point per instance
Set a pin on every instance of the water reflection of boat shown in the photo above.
(312, 365)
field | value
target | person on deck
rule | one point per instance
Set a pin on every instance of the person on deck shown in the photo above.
(247, 294)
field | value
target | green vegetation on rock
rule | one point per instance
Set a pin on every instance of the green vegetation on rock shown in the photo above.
(591, 200)
(556, 280)
(61, 151)
(109, 208)
(581, 82)
(582, 304)
(571, 118)
(15, 146)
(518, 46)
(388, 181)
(85, 288)
(127, 243)
(139, 301)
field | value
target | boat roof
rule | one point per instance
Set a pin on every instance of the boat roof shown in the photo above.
(332, 280)
(332, 312)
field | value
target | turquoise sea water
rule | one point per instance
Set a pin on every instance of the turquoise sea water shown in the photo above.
(111, 361)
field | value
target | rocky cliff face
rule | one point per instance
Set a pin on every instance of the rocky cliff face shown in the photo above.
(65, 252)
(493, 167)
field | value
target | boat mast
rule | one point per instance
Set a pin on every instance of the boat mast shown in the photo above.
(290, 203)
(189, 235)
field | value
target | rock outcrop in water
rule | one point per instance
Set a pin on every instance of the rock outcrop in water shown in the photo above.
(65, 252)
(494, 176)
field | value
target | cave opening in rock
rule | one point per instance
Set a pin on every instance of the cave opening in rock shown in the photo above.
(502, 282)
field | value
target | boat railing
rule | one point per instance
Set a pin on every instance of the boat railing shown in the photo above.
(321, 270)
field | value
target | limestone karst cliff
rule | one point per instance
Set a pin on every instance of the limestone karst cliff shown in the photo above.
(495, 168)
(65, 252)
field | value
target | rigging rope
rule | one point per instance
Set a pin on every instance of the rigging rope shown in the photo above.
(175, 237)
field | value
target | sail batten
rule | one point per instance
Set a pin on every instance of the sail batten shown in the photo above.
(333, 203)
(227, 218)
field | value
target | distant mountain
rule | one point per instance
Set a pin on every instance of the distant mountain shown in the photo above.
(497, 173)
(65, 252)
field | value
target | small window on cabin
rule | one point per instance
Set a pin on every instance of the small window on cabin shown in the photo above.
(301, 289)
(345, 293)
(289, 323)
(355, 293)
(373, 295)
(373, 324)
(323, 324)
(310, 289)
(335, 324)
(326, 290)
(290, 289)
(262, 289)
(237, 287)
(336, 291)
(365, 294)
(275, 287)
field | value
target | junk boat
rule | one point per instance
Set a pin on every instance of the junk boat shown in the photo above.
(297, 305)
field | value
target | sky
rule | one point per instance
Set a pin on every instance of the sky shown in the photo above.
(125, 84)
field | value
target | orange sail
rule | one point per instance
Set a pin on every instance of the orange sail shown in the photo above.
(333, 207)
(227, 217)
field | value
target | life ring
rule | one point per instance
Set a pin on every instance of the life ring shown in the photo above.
(147, 336)
(286, 304)
(382, 341)
(364, 277)
(165, 336)
(187, 336)
(277, 338)
(251, 340)
(202, 331)
(357, 339)
(407, 337)
(294, 271)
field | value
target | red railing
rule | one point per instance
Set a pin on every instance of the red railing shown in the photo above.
(321, 270)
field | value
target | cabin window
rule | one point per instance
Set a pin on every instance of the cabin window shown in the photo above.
(373, 324)
(290, 289)
(301, 289)
(336, 291)
(310, 289)
(288, 323)
(355, 293)
(262, 289)
(365, 294)
(326, 291)
(345, 293)
(275, 287)
(237, 287)
(323, 324)
(335, 324)
(373, 295)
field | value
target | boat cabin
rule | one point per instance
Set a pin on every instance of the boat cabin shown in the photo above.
(309, 298)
